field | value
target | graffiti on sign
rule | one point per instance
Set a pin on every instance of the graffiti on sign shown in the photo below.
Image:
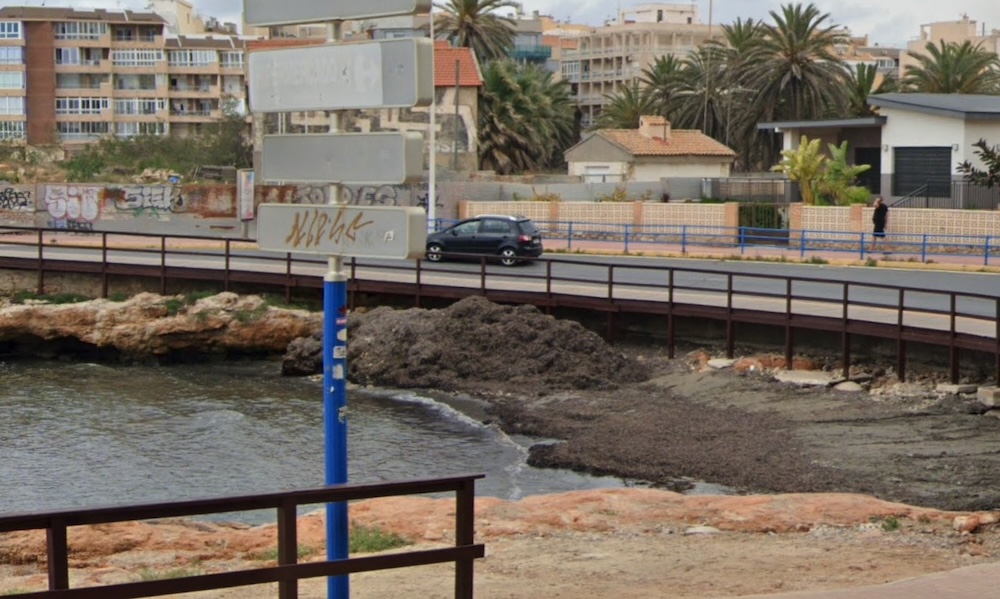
(314, 226)
(310, 194)
(72, 207)
(15, 199)
(148, 199)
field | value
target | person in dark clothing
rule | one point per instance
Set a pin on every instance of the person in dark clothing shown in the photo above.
(879, 219)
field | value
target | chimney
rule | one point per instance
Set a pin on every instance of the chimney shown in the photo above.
(654, 127)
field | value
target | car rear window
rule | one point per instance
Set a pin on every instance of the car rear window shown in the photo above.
(528, 227)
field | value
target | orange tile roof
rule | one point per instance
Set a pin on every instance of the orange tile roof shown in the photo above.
(444, 60)
(444, 67)
(682, 142)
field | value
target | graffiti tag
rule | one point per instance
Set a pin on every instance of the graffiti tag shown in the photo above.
(72, 203)
(149, 198)
(15, 199)
(311, 227)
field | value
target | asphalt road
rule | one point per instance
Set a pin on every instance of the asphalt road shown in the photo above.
(976, 293)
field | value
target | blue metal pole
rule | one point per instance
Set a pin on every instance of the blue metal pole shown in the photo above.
(862, 246)
(684, 238)
(923, 250)
(569, 236)
(626, 239)
(802, 245)
(743, 240)
(986, 255)
(335, 418)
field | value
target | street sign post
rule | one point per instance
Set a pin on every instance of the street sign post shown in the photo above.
(384, 74)
(266, 13)
(359, 231)
(348, 158)
(395, 73)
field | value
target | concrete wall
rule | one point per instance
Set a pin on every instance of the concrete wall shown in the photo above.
(946, 226)
(212, 210)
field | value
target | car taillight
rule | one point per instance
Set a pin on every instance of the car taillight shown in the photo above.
(524, 238)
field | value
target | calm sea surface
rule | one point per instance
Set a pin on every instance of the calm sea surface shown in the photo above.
(85, 435)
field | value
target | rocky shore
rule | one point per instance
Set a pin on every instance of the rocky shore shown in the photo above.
(832, 487)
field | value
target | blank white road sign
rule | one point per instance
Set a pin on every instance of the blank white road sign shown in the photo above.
(332, 230)
(349, 158)
(264, 13)
(382, 74)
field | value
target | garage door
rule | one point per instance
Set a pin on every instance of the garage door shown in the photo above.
(916, 167)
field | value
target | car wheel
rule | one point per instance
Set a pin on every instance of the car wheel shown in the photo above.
(434, 252)
(508, 257)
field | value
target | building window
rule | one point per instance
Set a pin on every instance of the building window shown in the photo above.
(68, 56)
(135, 82)
(233, 85)
(74, 30)
(139, 106)
(11, 129)
(231, 60)
(81, 105)
(136, 58)
(133, 129)
(10, 30)
(12, 105)
(86, 130)
(80, 80)
(11, 55)
(123, 34)
(192, 58)
(12, 80)
(148, 34)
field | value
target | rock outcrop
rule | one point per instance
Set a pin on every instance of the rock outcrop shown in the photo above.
(153, 325)
(473, 345)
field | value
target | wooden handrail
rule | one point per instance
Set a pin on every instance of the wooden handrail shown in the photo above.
(287, 572)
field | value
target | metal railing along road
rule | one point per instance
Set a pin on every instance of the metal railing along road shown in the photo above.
(905, 313)
(287, 572)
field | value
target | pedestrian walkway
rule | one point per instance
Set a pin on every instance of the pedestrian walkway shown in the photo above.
(972, 582)
(888, 258)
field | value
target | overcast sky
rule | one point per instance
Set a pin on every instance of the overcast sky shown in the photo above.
(887, 22)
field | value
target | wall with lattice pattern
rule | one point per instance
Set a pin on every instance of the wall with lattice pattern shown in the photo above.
(825, 222)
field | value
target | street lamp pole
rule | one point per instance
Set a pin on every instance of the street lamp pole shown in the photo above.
(708, 68)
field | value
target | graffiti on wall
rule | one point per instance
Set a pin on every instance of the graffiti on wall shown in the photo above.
(154, 200)
(72, 207)
(16, 200)
(366, 195)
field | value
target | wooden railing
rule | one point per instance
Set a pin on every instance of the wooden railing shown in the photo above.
(287, 572)
(918, 313)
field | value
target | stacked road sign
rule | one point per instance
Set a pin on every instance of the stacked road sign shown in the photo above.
(392, 73)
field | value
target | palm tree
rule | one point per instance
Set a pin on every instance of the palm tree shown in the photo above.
(861, 84)
(741, 48)
(797, 74)
(526, 119)
(660, 80)
(698, 97)
(952, 68)
(474, 24)
(625, 106)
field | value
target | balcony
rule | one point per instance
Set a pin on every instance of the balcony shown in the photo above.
(194, 116)
(84, 66)
(531, 53)
(193, 91)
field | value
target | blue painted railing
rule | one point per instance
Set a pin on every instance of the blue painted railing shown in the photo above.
(800, 243)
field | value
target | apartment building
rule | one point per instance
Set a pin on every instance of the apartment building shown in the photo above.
(72, 76)
(613, 56)
(962, 30)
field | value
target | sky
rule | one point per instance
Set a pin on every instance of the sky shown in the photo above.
(887, 22)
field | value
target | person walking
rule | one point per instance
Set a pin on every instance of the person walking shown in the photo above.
(879, 220)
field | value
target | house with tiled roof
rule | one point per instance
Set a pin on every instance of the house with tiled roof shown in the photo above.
(652, 152)
(456, 75)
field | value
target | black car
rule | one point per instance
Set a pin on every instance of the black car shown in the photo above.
(507, 237)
